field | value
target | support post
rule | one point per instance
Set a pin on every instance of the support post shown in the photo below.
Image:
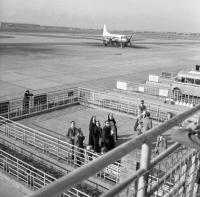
(144, 164)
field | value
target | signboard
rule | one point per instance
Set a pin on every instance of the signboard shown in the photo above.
(153, 78)
(163, 92)
(121, 85)
(141, 89)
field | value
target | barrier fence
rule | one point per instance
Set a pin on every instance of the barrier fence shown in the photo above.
(59, 149)
(163, 176)
(19, 107)
(50, 100)
(172, 173)
(93, 98)
(32, 177)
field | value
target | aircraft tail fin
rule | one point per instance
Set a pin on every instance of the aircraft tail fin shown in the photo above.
(104, 30)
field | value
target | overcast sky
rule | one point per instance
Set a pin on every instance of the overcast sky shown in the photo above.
(137, 15)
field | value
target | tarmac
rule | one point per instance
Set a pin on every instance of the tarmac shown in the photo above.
(44, 63)
(37, 63)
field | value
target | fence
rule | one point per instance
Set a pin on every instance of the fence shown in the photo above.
(174, 179)
(93, 98)
(18, 107)
(57, 148)
(31, 176)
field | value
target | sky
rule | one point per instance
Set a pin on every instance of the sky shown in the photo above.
(136, 15)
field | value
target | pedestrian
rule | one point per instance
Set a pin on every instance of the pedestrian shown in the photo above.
(108, 141)
(113, 126)
(92, 125)
(147, 122)
(97, 136)
(140, 127)
(26, 100)
(78, 140)
(71, 133)
(141, 113)
(161, 144)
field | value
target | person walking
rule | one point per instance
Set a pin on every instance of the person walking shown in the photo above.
(141, 113)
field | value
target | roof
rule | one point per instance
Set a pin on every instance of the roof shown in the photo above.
(189, 74)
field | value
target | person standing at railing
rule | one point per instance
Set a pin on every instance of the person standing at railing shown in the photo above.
(113, 126)
(26, 99)
(141, 113)
(71, 133)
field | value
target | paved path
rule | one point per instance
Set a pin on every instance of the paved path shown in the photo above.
(10, 188)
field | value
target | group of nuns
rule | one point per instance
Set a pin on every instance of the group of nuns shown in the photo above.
(103, 139)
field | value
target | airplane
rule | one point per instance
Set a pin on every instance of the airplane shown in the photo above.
(115, 39)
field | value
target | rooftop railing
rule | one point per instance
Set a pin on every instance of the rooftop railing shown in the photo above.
(32, 177)
(58, 148)
(177, 179)
(92, 98)
(18, 107)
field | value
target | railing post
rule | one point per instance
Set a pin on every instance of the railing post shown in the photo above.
(144, 164)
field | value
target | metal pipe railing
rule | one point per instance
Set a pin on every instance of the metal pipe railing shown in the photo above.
(91, 168)
(57, 147)
(118, 188)
(32, 176)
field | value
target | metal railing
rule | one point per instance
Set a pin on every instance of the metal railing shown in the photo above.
(57, 148)
(93, 98)
(18, 107)
(145, 169)
(33, 178)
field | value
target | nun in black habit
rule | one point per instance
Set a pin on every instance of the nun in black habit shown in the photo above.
(92, 126)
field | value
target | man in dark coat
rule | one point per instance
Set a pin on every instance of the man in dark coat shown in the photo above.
(26, 99)
(71, 133)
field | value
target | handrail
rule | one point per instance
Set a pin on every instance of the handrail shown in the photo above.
(91, 168)
(21, 168)
(118, 188)
(58, 147)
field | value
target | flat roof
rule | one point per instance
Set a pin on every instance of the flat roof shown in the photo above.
(190, 74)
